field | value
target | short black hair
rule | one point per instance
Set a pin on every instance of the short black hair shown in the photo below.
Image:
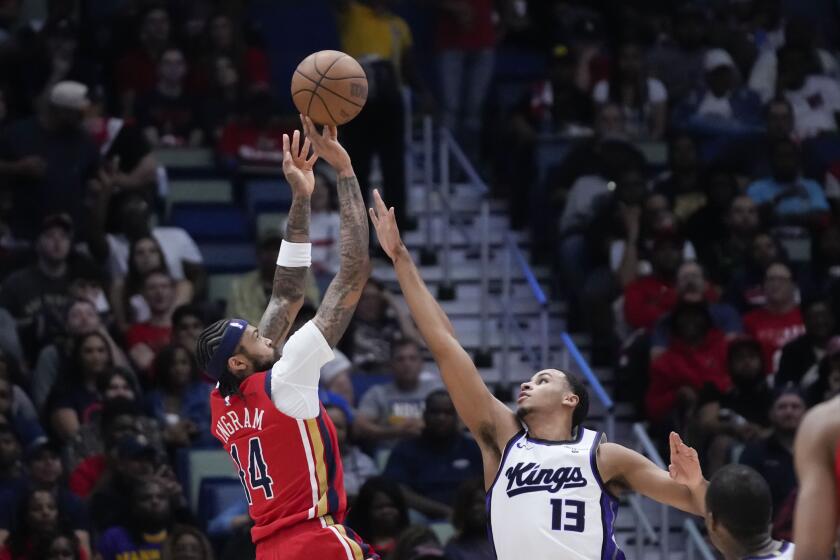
(578, 387)
(739, 499)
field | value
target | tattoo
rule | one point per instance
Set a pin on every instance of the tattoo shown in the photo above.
(287, 291)
(344, 292)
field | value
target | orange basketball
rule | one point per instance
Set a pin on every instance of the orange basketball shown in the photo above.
(330, 87)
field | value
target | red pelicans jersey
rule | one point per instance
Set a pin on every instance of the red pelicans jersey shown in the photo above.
(290, 468)
(289, 464)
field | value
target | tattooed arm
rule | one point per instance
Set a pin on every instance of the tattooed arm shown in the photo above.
(344, 291)
(287, 291)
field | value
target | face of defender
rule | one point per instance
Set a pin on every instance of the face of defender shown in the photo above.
(546, 390)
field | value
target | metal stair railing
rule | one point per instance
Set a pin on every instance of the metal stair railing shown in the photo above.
(571, 353)
(536, 356)
(696, 544)
(448, 150)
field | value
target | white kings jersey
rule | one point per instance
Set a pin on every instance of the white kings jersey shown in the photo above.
(548, 501)
(784, 552)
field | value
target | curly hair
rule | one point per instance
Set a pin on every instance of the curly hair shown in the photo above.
(207, 343)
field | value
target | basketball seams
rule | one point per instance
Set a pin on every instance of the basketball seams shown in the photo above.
(344, 102)
(326, 107)
(318, 83)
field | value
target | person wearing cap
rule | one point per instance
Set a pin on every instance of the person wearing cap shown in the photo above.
(720, 106)
(251, 291)
(37, 296)
(49, 160)
(772, 456)
(335, 377)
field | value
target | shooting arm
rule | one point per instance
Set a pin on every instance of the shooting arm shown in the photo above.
(287, 291)
(344, 291)
(488, 419)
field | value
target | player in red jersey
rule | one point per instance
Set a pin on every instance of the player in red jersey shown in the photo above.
(265, 408)
(817, 456)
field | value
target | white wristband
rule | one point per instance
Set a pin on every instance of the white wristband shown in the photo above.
(294, 254)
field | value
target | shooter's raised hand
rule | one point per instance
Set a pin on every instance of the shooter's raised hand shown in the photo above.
(297, 164)
(326, 145)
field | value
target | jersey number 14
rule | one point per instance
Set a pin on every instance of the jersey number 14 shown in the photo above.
(257, 475)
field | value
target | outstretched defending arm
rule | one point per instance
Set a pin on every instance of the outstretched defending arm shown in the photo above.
(344, 291)
(682, 486)
(287, 291)
(490, 421)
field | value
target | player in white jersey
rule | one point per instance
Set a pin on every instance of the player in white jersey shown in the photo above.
(739, 511)
(552, 485)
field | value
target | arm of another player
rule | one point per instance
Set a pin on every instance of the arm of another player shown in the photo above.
(492, 423)
(344, 291)
(682, 486)
(287, 291)
(815, 519)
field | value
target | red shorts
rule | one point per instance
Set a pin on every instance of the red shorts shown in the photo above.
(315, 539)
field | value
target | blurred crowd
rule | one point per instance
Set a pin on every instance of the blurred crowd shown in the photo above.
(684, 156)
(679, 171)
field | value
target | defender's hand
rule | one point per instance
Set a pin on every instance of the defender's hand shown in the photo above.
(326, 145)
(685, 465)
(297, 167)
(386, 226)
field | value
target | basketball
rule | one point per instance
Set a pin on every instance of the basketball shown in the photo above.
(330, 87)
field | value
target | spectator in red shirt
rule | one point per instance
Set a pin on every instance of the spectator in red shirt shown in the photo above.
(168, 114)
(136, 72)
(648, 298)
(695, 357)
(145, 339)
(465, 40)
(779, 321)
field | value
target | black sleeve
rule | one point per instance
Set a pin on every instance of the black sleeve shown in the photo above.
(131, 146)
